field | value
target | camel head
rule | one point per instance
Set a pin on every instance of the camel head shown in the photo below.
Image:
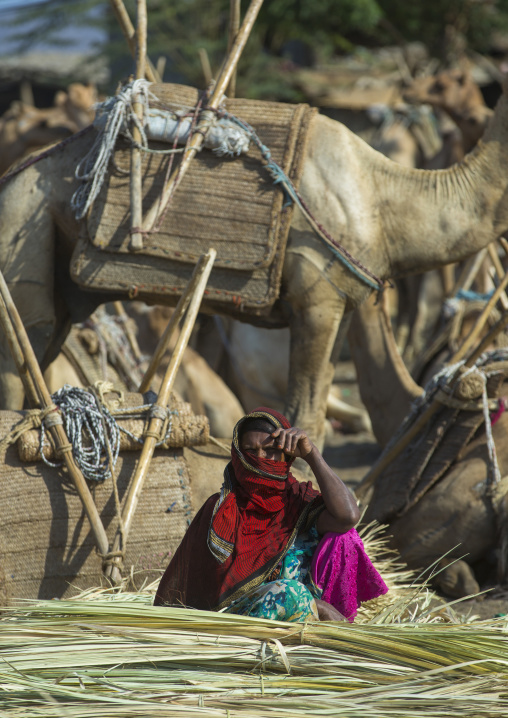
(76, 105)
(453, 91)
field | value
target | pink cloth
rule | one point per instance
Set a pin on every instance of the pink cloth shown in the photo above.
(344, 572)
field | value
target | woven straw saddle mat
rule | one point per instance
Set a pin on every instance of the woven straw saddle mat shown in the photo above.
(230, 204)
(47, 549)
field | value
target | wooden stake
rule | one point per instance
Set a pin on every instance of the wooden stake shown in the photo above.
(39, 397)
(495, 278)
(469, 271)
(136, 180)
(480, 322)
(131, 337)
(156, 423)
(206, 117)
(234, 26)
(17, 354)
(174, 320)
(127, 27)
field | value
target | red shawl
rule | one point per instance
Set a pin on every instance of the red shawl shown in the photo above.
(239, 536)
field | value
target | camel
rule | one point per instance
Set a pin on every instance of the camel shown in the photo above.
(256, 369)
(394, 220)
(82, 364)
(23, 128)
(455, 92)
(458, 516)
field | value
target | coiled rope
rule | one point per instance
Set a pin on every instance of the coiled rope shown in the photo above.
(89, 428)
(93, 431)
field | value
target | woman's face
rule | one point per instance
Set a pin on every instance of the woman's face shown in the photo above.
(261, 445)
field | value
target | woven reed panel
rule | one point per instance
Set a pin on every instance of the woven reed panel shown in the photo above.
(230, 204)
(47, 548)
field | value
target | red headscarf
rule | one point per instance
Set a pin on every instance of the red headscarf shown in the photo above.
(238, 537)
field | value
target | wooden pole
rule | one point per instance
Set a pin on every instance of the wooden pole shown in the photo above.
(17, 354)
(131, 337)
(206, 68)
(480, 322)
(156, 423)
(174, 320)
(234, 26)
(127, 27)
(387, 458)
(206, 117)
(40, 397)
(469, 271)
(136, 180)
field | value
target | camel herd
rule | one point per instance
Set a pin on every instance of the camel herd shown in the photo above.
(397, 219)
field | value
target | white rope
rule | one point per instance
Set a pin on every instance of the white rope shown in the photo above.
(116, 115)
(113, 116)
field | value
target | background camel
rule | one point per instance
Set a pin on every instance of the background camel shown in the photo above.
(94, 352)
(394, 220)
(23, 128)
(456, 93)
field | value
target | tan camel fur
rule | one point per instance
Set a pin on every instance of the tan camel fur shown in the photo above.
(455, 92)
(24, 127)
(395, 220)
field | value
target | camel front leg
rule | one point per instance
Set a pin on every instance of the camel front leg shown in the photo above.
(313, 333)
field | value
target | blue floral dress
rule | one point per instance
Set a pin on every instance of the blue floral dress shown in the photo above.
(291, 596)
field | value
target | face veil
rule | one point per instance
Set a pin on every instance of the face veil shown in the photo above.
(239, 537)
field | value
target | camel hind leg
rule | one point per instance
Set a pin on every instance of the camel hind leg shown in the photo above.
(27, 251)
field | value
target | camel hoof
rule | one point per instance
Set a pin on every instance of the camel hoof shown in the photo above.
(456, 579)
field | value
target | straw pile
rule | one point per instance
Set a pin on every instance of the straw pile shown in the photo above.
(116, 655)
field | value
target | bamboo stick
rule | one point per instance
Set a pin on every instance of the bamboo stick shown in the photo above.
(131, 337)
(206, 68)
(40, 397)
(386, 459)
(127, 27)
(495, 278)
(496, 261)
(136, 180)
(469, 271)
(234, 26)
(16, 353)
(480, 322)
(206, 117)
(448, 279)
(504, 244)
(174, 320)
(156, 423)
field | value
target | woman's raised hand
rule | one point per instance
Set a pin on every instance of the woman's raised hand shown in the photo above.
(293, 441)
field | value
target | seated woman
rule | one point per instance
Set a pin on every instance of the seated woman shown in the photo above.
(256, 549)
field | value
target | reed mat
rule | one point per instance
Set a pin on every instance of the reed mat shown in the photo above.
(105, 654)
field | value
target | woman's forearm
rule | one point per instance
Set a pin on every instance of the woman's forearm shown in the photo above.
(339, 501)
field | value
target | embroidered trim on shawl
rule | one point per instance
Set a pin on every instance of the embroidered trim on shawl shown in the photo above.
(220, 548)
(307, 517)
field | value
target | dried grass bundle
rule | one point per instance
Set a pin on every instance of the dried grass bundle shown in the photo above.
(106, 654)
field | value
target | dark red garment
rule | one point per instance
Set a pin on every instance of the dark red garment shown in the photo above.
(239, 536)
